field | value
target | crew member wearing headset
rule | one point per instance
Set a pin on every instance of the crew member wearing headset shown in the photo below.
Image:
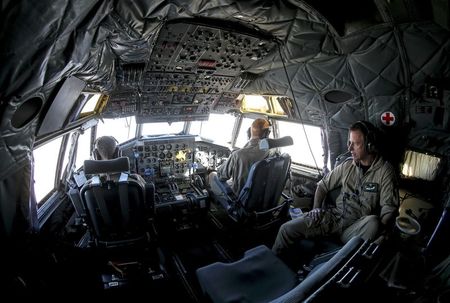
(107, 148)
(368, 200)
(236, 168)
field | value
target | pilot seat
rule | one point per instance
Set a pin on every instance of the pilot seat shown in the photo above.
(261, 203)
(117, 206)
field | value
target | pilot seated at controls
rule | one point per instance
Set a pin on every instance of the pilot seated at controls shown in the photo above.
(235, 170)
(106, 148)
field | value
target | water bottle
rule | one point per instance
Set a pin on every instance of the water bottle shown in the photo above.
(295, 212)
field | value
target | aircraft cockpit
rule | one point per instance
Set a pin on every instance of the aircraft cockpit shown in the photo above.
(318, 91)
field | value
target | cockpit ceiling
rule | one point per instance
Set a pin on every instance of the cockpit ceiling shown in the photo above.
(194, 69)
(185, 59)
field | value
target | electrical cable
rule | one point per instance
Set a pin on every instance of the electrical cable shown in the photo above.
(298, 111)
(300, 118)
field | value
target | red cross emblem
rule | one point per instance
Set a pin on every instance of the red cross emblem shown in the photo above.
(388, 118)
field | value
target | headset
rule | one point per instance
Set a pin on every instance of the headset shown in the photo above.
(266, 131)
(96, 153)
(369, 132)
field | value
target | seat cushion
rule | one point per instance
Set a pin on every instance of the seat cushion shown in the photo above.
(259, 276)
(319, 276)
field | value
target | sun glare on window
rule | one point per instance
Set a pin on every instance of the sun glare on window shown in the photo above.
(254, 103)
(267, 105)
(91, 103)
(420, 166)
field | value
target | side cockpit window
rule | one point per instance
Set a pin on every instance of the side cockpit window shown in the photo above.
(45, 168)
(83, 149)
(307, 148)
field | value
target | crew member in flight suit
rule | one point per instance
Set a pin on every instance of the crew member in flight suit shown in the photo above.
(236, 168)
(107, 148)
(368, 197)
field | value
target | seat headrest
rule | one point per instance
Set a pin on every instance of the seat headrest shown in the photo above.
(118, 165)
(266, 144)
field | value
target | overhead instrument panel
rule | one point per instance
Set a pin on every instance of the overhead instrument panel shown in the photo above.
(200, 49)
(125, 104)
(226, 103)
(193, 69)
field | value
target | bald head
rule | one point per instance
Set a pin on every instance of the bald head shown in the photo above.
(260, 127)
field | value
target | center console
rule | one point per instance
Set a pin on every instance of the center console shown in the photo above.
(168, 162)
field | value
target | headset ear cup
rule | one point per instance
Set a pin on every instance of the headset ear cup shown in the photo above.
(117, 153)
(265, 133)
(96, 154)
(371, 141)
(371, 148)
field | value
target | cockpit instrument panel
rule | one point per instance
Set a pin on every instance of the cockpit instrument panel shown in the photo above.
(162, 158)
(209, 155)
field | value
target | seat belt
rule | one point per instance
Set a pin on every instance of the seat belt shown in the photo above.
(123, 197)
(104, 211)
